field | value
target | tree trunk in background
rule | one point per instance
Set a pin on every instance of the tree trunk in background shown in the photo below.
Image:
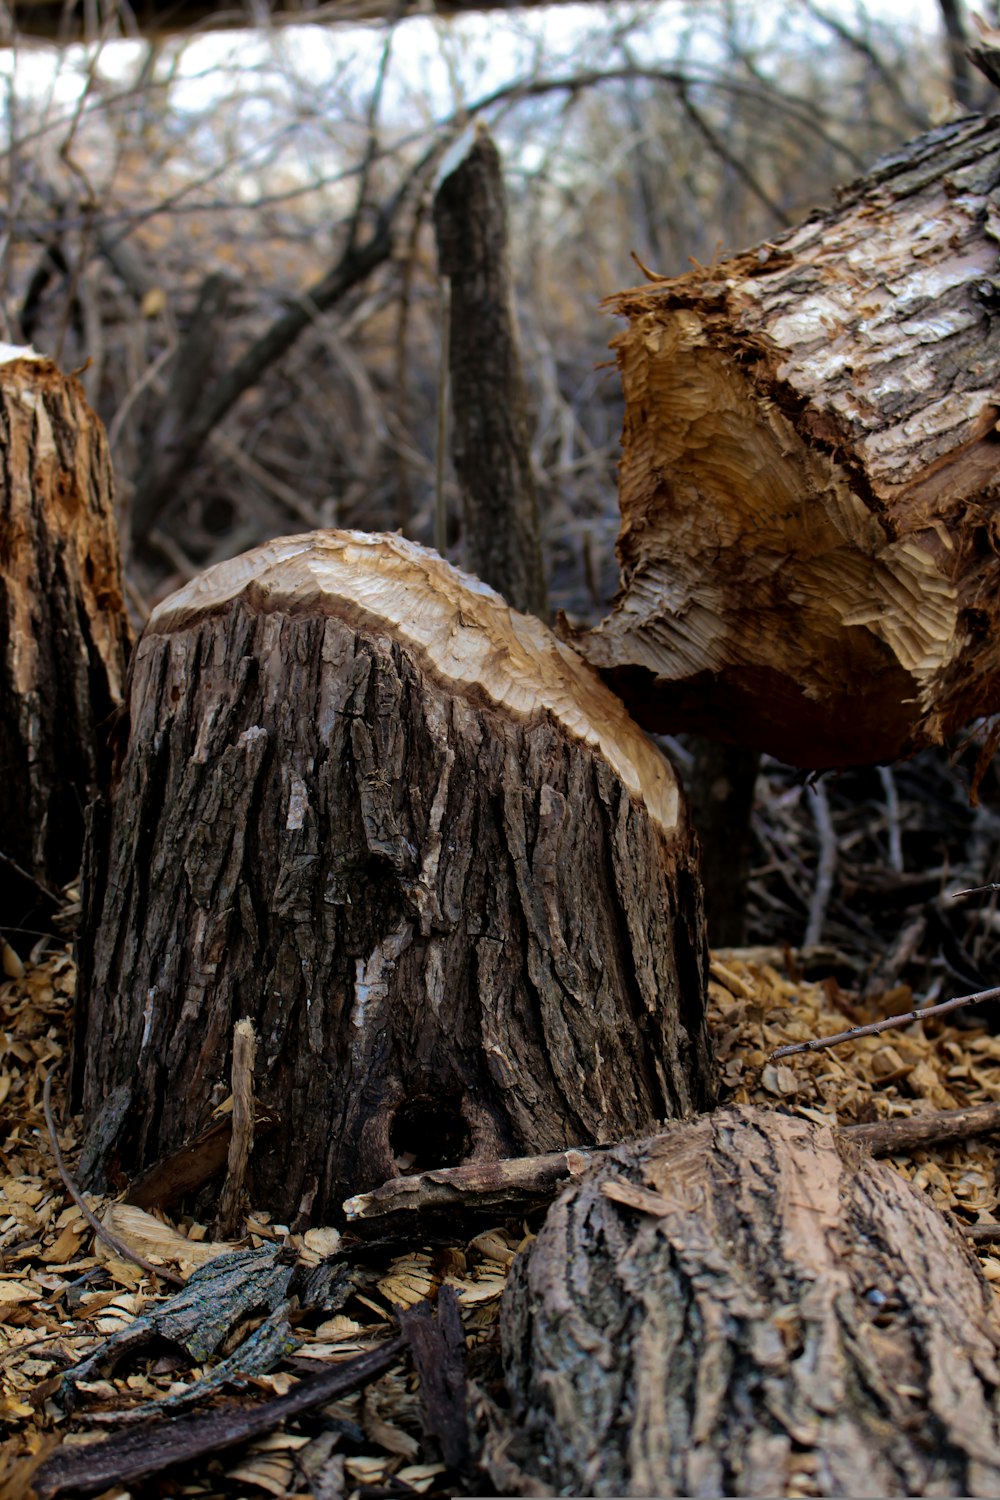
(958, 43)
(64, 633)
(811, 474)
(747, 1305)
(491, 448)
(418, 844)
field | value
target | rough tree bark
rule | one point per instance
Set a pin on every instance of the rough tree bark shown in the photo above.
(809, 485)
(418, 844)
(747, 1305)
(64, 633)
(491, 447)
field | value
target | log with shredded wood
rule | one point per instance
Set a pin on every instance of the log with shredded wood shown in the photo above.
(810, 544)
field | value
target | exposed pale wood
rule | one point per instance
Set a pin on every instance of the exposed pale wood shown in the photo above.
(416, 841)
(233, 1200)
(747, 1305)
(811, 474)
(64, 633)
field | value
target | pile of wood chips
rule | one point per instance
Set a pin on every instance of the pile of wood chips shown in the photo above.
(62, 1294)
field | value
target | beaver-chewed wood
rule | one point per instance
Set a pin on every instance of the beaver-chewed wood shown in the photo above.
(810, 484)
(416, 842)
(64, 632)
(747, 1304)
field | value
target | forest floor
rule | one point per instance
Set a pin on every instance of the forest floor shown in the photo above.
(872, 859)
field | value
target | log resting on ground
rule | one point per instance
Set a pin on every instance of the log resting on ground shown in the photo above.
(416, 841)
(810, 540)
(747, 1304)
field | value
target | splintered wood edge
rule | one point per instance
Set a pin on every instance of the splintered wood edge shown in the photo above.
(463, 630)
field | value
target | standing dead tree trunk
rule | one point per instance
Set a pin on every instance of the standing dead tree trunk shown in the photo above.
(747, 1305)
(417, 843)
(811, 473)
(492, 452)
(64, 633)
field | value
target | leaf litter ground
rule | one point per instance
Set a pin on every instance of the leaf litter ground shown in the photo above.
(63, 1296)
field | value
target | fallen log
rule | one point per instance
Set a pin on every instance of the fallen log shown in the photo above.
(416, 842)
(64, 632)
(746, 1305)
(810, 474)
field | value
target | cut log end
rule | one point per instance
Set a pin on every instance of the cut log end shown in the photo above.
(419, 844)
(811, 474)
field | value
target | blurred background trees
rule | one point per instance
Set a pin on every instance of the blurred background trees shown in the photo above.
(228, 233)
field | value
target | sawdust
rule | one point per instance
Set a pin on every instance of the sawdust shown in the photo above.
(61, 1295)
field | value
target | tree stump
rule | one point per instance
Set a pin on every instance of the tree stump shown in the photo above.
(418, 844)
(811, 472)
(747, 1305)
(64, 633)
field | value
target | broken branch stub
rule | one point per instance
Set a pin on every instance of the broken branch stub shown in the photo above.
(415, 841)
(811, 471)
(64, 632)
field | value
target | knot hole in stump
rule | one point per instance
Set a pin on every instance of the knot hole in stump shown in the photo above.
(428, 1132)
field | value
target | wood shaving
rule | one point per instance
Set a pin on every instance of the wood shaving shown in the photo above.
(62, 1296)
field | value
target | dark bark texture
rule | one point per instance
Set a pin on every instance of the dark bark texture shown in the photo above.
(490, 443)
(747, 1305)
(721, 789)
(457, 933)
(64, 633)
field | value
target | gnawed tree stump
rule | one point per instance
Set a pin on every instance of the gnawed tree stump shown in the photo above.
(420, 846)
(64, 633)
(747, 1305)
(811, 474)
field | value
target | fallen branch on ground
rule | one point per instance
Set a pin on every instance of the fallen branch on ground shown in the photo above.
(524, 1183)
(103, 1233)
(160, 1445)
(819, 1043)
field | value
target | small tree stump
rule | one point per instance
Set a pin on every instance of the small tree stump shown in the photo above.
(64, 633)
(748, 1305)
(417, 843)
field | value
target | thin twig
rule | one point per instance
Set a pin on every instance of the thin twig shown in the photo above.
(441, 455)
(372, 146)
(232, 1203)
(981, 1234)
(819, 1043)
(974, 890)
(102, 1232)
(892, 818)
(892, 1137)
(827, 867)
(11, 864)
